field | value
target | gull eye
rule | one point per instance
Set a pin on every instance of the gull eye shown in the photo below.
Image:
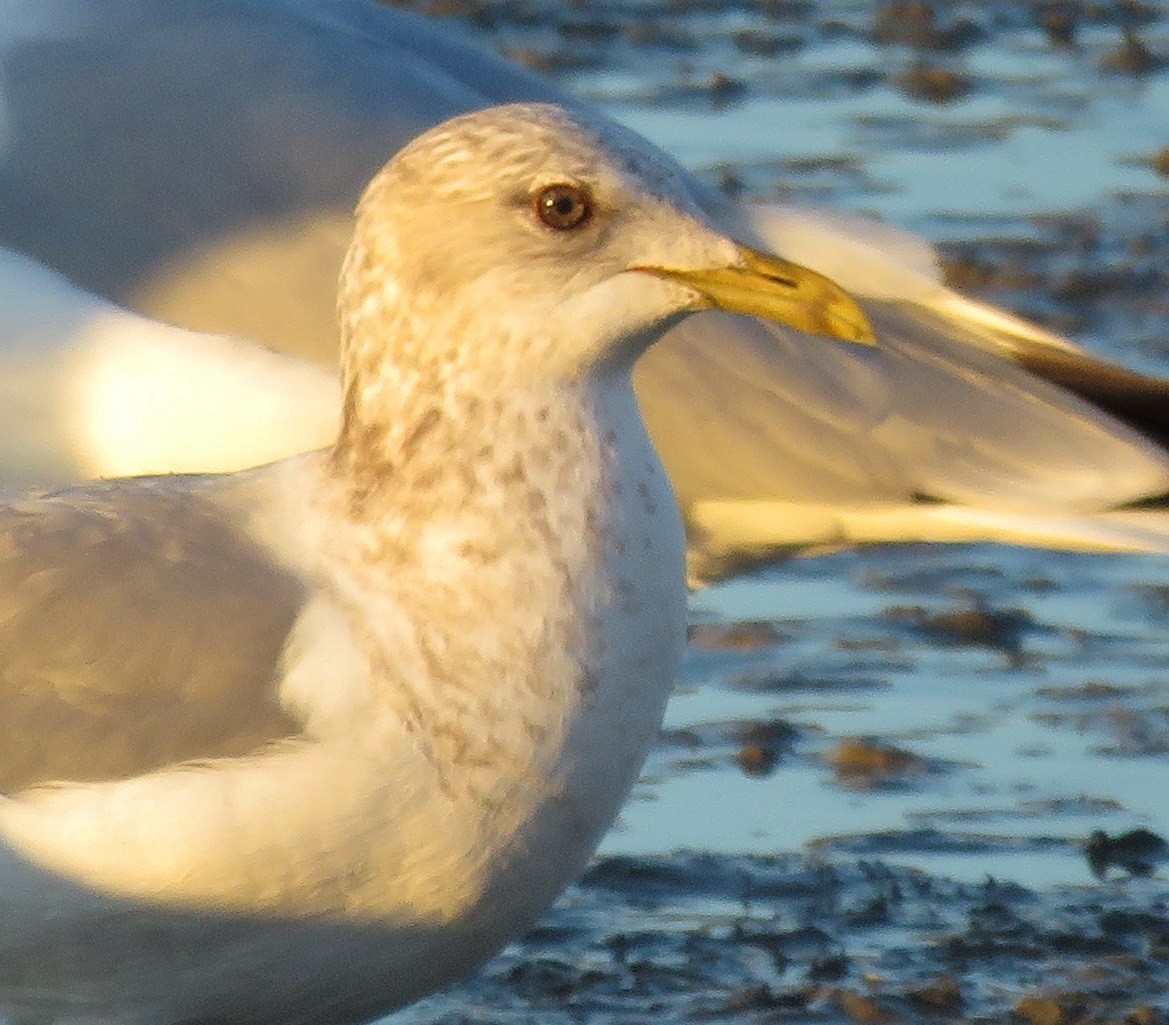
(563, 207)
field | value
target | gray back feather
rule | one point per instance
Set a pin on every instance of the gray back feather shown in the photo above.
(137, 629)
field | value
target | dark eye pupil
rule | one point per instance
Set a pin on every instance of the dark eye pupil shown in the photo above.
(563, 206)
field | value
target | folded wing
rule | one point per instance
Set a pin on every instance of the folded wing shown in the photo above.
(138, 629)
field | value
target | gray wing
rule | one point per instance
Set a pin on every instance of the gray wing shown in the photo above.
(750, 412)
(1136, 399)
(775, 446)
(137, 629)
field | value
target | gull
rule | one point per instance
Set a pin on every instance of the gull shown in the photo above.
(303, 743)
(202, 171)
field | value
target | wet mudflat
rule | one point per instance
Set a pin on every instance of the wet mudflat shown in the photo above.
(916, 784)
(722, 938)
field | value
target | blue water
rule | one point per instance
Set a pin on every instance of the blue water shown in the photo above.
(1014, 749)
(1040, 131)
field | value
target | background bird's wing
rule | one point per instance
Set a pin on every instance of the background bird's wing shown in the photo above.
(137, 629)
(983, 406)
(957, 428)
(778, 447)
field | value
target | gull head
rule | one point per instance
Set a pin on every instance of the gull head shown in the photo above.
(523, 241)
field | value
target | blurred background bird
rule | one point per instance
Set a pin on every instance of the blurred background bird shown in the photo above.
(198, 162)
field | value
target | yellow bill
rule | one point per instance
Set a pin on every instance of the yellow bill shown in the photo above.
(776, 289)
